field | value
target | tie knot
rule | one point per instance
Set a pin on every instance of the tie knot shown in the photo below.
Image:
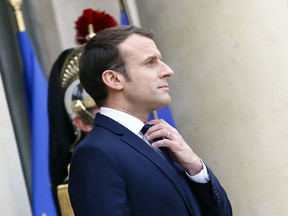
(145, 128)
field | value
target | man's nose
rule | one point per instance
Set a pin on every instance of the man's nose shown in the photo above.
(167, 71)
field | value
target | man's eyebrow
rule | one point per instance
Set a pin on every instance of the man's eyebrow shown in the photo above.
(153, 56)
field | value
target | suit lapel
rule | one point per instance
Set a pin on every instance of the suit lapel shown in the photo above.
(143, 148)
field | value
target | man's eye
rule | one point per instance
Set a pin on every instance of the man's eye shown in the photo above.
(150, 62)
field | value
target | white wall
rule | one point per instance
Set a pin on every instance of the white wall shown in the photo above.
(13, 197)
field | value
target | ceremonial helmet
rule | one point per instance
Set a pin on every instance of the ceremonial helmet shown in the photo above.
(77, 101)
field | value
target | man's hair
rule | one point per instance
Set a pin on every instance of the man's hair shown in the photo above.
(102, 53)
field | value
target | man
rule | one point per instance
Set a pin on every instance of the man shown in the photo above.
(119, 170)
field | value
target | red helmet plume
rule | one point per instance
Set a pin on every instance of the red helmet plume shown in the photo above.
(98, 19)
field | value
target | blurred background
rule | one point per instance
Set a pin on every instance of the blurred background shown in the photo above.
(229, 91)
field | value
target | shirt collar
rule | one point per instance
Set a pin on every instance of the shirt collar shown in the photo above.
(128, 121)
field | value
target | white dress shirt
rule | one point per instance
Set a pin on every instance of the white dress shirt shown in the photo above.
(135, 125)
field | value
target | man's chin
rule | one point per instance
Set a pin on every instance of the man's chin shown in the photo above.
(168, 100)
(164, 103)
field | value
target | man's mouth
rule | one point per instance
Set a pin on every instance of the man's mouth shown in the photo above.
(164, 86)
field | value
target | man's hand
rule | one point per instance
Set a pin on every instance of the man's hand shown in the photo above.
(180, 151)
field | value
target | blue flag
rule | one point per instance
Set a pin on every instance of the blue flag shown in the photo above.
(36, 93)
(123, 16)
(165, 114)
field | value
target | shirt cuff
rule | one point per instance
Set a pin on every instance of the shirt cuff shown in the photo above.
(202, 176)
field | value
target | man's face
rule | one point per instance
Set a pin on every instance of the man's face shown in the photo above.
(148, 88)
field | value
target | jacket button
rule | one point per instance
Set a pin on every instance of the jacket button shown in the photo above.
(218, 198)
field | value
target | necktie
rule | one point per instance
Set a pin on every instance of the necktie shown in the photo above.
(163, 150)
(167, 156)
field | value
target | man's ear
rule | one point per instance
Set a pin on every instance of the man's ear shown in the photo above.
(82, 125)
(113, 79)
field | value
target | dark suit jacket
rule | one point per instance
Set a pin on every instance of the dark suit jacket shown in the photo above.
(114, 172)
